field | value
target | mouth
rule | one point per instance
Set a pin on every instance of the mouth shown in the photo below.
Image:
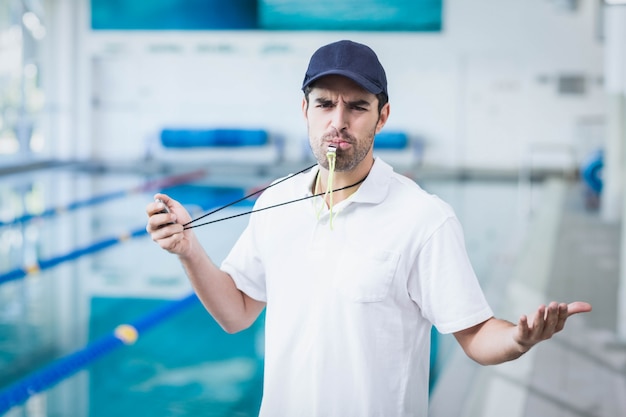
(340, 140)
(338, 144)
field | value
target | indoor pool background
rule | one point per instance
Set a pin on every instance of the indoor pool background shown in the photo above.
(98, 269)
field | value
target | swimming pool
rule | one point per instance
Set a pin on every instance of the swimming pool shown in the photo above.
(75, 263)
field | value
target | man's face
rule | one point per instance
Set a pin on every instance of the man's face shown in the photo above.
(341, 113)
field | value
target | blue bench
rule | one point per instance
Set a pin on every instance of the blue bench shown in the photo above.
(391, 140)
(398, 149)
(198, 145)
(207, 138)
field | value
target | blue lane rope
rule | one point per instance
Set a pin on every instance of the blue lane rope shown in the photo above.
(76, 253)
(147, 186)
(60, 369)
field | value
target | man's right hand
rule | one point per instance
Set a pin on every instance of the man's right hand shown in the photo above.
(165, 224)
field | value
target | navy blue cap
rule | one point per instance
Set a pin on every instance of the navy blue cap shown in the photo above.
(350, 59)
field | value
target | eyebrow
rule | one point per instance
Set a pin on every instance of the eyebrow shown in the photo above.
(353, 103)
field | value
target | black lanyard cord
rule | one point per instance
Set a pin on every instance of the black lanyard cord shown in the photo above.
(186, 225)
(243, 198)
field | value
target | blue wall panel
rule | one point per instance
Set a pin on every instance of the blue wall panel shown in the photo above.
(364, 15)
(353, 15)
(173, 14)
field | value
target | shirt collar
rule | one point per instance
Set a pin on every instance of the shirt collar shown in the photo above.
(376, 186)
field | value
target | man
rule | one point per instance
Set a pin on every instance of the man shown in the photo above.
(353, 279)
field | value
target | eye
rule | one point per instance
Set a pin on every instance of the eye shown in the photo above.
(324, 104)
(359, 106)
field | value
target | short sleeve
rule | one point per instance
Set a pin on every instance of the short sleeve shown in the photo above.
(244, 264)
(443, 282)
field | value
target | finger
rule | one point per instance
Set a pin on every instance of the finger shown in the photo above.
(551, 320)
(161, 206)
(159, 222)
(578, 307)
(523, 329)
(151, 208)
(563, 314)
(165, 232)
(169, 242)
(154, 207)
(159, 213)
(536, 327)
(523, 338)
(182, 215)
(160, 202)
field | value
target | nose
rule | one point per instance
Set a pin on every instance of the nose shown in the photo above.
(339, 119)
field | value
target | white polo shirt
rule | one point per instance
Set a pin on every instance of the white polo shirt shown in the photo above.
(349, 310)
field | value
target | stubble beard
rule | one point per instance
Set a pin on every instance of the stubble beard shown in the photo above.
(345, 160)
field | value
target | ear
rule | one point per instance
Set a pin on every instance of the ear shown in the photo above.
(304, 108)
(382, 119)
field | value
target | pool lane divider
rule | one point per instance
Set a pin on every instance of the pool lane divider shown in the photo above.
(147, 186)
(64, 367)
(44, 264)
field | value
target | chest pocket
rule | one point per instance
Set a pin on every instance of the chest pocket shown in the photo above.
(365, 276)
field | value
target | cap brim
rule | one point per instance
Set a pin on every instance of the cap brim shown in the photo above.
(357, 78)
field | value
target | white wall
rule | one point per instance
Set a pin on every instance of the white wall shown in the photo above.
(480, 93)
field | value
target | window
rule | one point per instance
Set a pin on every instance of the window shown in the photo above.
(21, 97)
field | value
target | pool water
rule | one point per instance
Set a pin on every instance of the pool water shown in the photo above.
(187, 365)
